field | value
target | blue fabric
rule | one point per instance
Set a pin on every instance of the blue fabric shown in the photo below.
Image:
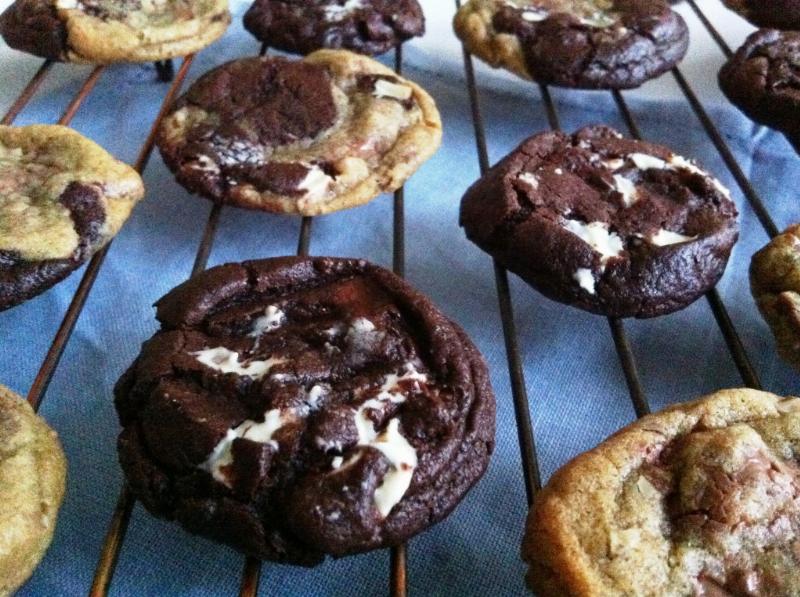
(577, 390)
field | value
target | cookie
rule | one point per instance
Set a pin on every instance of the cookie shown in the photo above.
(331, 131)
(763, 80)
(297, 407)
(62, 197)
(700, 499)
(614, 226)
(775, 284)
(107, 31)
(32, 483)
(589, 44)
(364, 26)
(779, 14)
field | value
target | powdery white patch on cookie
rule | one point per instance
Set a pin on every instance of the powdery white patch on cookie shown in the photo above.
(585, 279)
(272, 319)
(384, 88)
(239, 152)
(337, 12)
(222, 456)
(227, 361)
(597, 236)
(626, 188)
(664, 238)
(316, 183)
(530, 179)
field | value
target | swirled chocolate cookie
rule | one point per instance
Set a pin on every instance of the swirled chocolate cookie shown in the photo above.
(592, 44)
(32, 484)
(763, 80)
(775, 283)
(363, 26)
(614, 226)
(293, 408)
(106, 31)
(310, 136)
(780, 14)
(700, 499)
(62, 197)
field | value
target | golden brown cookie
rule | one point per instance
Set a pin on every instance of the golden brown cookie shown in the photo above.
(331, 131)
(775, 283)
(62, 198)
(702, 498)
(32, 481)
(592, 44)
(106, 31)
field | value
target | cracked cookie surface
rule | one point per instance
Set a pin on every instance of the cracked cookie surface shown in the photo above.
(364, 26)
(328, 132)
(702, 498)
(775, 284)
(592, 44)
(32, 484)
(615, 226)
(62, 197)
(108, 31)
(763, 80)
(293, 408)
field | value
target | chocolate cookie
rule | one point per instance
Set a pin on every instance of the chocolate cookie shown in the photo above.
(106, 31)
(775, 283)
(32, 484)
(780, 14)
(591, 44)
(763, 80)
(297, 407)
(700, 499)
(364, 26)
(311, 136)
(614, 226)
(62, 197)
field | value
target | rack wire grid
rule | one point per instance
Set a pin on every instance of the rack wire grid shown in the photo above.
(251, 571)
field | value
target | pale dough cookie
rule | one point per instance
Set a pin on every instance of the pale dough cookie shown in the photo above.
(331, 131)
(591, 44)
(775, 283)
(701, 499)
(107, 31)
(33, 473)
(62, 197)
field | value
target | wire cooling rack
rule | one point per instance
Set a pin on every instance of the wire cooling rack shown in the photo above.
(251, 572)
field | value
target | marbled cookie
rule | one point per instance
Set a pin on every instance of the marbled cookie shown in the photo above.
(310, 136)
(763, 80)
(107, 31)
(701, 499)
(780, 14)
(592, 44)
(32, 482)
(293, 408)
(775, 283)
(364, 26)
(614, 226)
(62, 197)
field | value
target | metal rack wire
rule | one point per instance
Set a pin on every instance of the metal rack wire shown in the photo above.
(398, 570)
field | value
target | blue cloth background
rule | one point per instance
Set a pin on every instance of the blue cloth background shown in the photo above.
(577, 390)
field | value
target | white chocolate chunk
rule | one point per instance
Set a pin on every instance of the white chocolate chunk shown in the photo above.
(645, 161)
(316, 183)
(227, 361)
(384, 88)
(613, 164)
(403, 458)
(530, 179)
(585, 279)
(663, 238)
(336, 12)
(559, 171)
(272, 319)
(597, 236)
(337, 462)
(534, 15)
(626, 188)
(66, 4)
(222, 455)
(682, 163)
